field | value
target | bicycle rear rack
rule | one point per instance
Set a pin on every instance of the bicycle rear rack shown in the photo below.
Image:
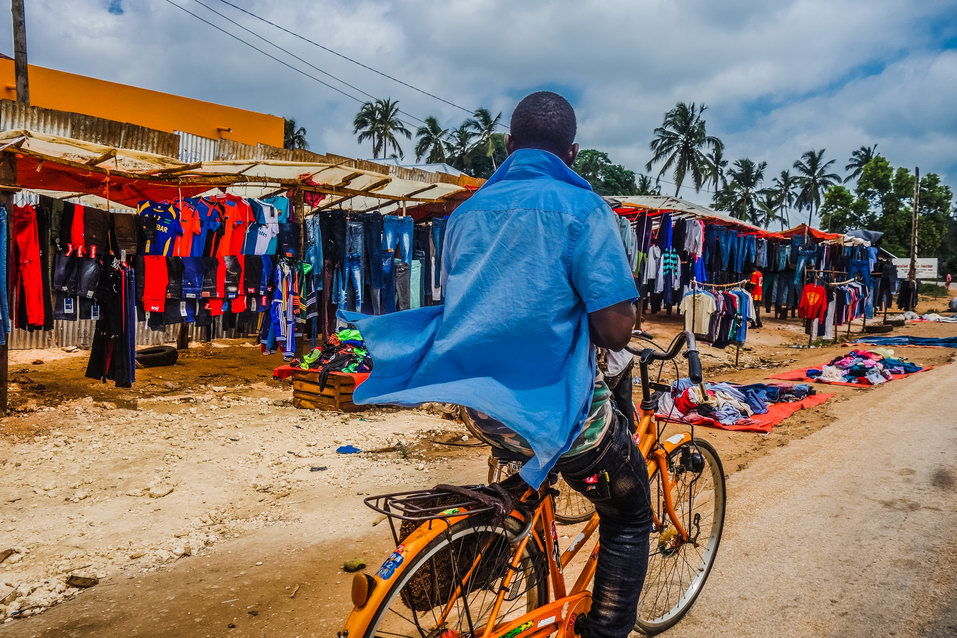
(420, 506)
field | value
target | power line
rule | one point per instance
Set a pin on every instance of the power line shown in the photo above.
(354, 61)
(306, 62)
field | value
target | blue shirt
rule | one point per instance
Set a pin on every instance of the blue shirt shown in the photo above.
(527, 258)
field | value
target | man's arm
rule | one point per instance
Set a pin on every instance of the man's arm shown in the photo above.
(611, 327)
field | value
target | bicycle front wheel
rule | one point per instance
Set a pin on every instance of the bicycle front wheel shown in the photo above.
(423, 600)
(677, 570)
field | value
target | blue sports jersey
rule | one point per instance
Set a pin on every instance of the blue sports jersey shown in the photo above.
(209, 222)
(165, 227)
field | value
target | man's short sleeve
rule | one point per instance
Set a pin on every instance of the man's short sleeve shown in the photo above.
(600, 270)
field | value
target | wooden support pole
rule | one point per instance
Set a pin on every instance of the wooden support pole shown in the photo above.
(182, 340)
(7, 199)
(912, 273)
(21, 69)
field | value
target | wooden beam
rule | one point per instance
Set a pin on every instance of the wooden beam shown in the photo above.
(110, 154)
(20, 66)
(177, 169)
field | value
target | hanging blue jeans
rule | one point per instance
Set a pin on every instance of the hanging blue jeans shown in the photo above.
(397, 236)
(4, 304)
(805, 259)
(726, 239)
(355, 243)
(314, 255)
(372, 223)
(861, 267)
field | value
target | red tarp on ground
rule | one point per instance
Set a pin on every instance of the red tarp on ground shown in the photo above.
(763, 423)
(286, 371)
(801, 375)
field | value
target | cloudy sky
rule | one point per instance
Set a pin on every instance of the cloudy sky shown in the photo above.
(778, 77)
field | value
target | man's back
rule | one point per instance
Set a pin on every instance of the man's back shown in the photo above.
(512, 339)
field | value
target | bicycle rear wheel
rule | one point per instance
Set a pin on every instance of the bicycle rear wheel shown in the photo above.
(570, 506)
(414, 604)
(678, 570)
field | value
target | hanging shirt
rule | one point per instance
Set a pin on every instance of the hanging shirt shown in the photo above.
(163, 228)
(526, 258)
(757, 281)
(697, 307)
(813, 303)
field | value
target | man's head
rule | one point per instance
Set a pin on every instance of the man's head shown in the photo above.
(546, 121)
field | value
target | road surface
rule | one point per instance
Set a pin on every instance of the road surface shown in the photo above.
(851, 531)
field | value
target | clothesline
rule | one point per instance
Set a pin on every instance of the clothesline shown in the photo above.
(731, 285)
(841, 283)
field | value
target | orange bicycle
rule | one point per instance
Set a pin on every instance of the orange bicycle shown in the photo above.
(479, 561)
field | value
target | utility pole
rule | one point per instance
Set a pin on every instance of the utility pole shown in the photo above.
(912, 273)
(20, 52)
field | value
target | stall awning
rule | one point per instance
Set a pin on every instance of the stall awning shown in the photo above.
(102, 174)
(655, 205)
(813, 232)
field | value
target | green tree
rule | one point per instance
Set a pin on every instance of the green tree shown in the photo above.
(646, 185)
(483, 125)
(858, 161)
(479, 164)
(717, 166)
(745, 178)
(379, 123)
(813, 179)
(680, 144)
(841, 210)
(460, 145)
(769, 208)
(294, 136)
(431, 140)
(605, 177)
(785, 192)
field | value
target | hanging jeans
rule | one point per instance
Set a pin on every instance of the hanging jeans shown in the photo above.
(726, 240)
(805, 259)
(397, 236)
(438, 238)
(388, 278)
(353, 279)
(861, 267)
(403, 285)
(314, 249)
(372, 227)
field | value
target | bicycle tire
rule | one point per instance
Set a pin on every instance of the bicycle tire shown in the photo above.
(654, 614)
(535, 572)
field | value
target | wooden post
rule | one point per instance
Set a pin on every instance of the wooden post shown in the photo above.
(7, 200)
(912, 273)
(737, 355)
(20, 52)
(182, 339)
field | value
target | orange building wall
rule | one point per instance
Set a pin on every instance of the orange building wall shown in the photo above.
(79, 94)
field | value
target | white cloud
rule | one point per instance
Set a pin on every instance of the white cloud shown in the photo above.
(780, 77)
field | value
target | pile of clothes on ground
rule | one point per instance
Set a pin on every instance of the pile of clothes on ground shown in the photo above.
(864, 367)
(910, 315)
(345, 351)
(727, 403)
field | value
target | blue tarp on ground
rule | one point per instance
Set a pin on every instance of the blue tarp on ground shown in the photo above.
(925, 342)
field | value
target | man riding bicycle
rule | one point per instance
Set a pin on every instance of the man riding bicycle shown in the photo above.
(535, 277)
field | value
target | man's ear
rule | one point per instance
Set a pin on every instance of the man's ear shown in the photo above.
(509, 143)
(572, 154)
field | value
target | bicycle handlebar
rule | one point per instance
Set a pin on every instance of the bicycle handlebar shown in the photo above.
(647, 355)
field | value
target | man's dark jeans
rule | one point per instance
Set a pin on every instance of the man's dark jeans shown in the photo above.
(625, 521)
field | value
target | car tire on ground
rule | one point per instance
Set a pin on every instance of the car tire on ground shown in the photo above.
(156, 356)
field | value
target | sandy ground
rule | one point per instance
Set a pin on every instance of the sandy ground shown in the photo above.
(201, 499)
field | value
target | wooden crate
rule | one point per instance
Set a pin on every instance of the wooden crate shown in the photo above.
(337, 395)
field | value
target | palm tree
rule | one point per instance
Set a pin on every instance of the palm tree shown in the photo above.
(647, 186)
(784, 187)
(379, 122)
(716, 167)
(432, 139)
(294, 136)
(460, 145)
(813, 179)
(858, 161)
(770, 208)
(680, 143)
(745, 182)
(483, 125)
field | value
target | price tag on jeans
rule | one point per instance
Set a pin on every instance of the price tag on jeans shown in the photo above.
(94, 312)
(68, 305)
(182, 309)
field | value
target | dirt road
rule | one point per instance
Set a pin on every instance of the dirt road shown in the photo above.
(851, 531)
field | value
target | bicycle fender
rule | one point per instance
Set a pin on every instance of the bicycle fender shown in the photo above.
(392, 568)
(675, 441)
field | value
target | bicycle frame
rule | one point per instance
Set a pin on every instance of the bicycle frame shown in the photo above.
(557, 617)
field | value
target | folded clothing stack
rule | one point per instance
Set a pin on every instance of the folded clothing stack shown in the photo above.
(727, 403)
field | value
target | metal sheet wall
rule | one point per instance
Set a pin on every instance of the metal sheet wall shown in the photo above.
(88, 128)
(80, 334)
